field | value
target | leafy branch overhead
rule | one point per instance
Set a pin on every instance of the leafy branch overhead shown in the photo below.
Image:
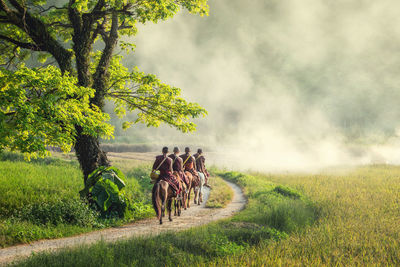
(60, 101)
(36, 25)
(154, 101)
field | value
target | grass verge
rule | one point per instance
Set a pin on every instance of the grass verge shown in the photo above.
(220, 195)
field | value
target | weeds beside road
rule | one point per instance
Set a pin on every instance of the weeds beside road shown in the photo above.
(220, 195)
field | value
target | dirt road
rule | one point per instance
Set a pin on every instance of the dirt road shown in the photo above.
(195, 216)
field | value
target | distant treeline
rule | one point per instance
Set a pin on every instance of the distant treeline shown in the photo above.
(130, 148)
(140, 148)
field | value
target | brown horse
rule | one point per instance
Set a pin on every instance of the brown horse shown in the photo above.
(162, 194)
(186, 197)
(180, 199)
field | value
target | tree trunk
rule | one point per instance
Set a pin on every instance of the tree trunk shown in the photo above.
(89, 153)
(87, 148)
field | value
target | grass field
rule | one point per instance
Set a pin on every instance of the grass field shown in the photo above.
(359, 221)
(357, 224)
(40, 199)
(272, 213)
(338, 217)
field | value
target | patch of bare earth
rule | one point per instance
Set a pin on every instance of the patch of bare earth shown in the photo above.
(194, 216)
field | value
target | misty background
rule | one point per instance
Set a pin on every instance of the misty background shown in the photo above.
(288, 85)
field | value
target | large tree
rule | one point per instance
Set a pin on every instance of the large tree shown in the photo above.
(71, 68)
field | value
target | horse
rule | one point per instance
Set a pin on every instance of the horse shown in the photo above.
(180, 199)
(163, 193)
(198, 188)
(186, 200)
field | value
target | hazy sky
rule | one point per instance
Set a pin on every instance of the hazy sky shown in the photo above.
(292, 84)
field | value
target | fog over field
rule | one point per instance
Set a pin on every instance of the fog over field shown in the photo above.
(287, 84)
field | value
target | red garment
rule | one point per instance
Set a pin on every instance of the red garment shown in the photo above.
(200, 163)
(165, 172)
(196, 177)
(188, 163)
(189, 166)
(177, 163)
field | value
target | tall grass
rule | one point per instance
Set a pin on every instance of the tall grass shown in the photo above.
(272, 205)
(359, 222)
(206, 245)
(342, 217)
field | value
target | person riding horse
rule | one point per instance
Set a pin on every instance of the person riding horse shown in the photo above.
(189, 162)
(200, 165)
(177, 165)
(164, 165)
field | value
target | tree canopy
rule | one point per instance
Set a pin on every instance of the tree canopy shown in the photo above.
(40, 108)
(58, 66)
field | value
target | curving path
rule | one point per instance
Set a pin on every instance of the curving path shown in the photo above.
(195, 216)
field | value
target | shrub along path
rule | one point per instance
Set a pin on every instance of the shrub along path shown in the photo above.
(194, 216)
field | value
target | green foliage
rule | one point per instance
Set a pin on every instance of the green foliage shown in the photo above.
(42, 107)
(59, 25)
(153, 101)
(141, 174)
(105, 186)
(39, 200)
(72, 211)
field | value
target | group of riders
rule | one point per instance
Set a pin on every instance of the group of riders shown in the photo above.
(178, 174)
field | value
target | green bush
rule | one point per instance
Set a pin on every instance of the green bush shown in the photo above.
(72, 211)
(104, 188)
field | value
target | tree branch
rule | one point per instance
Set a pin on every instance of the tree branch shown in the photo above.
(74, 17)
(101, 74)
(17, 6)
(10, 113)
(99, 30)
(21, 44)
(42, 10)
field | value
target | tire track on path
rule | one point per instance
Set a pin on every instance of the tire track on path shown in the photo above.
(196, 215)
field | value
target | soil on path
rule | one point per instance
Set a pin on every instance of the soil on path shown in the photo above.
(194, 216)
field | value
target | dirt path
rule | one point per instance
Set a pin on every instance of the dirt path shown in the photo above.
(195, 216)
